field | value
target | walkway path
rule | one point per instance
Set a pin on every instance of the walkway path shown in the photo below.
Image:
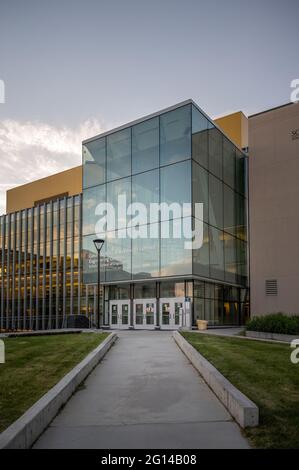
(144, 394)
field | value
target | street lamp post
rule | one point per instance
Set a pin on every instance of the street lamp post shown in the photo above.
(98, 244)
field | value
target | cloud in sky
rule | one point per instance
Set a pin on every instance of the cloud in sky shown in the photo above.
(33, 150)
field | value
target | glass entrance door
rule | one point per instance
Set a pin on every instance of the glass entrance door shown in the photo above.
(171, 311)
(119, 313)
(145, 313)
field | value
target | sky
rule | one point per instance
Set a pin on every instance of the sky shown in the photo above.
(73, 69)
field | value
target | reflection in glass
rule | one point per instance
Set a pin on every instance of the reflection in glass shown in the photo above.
(201, 261)
(216, 254)
(94, 162)
(229, 162)
(175, 259)
(118, 256)
(176, 186)
(145, 190)
(91, 198)
(229, 210)
(175, 135)
(115, 189)
(145, 145)
(199, 137)
(145, 256)
(119, 154)
(215, 152)
(230, 258)
(215, 202)
(200, 189)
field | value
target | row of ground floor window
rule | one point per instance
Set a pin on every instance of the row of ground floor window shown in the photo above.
(154, 304)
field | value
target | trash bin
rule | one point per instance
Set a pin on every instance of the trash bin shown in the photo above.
(202, 324)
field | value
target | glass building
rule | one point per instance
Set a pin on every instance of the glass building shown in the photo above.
(175, 156)
(40, 269)
(178, 158)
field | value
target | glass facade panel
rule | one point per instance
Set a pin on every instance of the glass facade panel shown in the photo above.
(229, 210)
(229, 162)
(215, 152)
(145, 146)
(172, 289)
(118, 256)
(94, 161)
(145, 255)
(119, 196)
(119, 154)
(175, 135)
(145, 291)
(145, 190)
(176, 187)
(199, 138)
(91, 198)
(216, 254)
(200, 189)
(215, 202)
(230, 258)
(175, 259)
(201, 257)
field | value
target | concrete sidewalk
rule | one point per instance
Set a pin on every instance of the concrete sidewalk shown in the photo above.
(145, 394)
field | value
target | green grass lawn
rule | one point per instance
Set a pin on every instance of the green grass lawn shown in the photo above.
(34, 365)
(262, 371)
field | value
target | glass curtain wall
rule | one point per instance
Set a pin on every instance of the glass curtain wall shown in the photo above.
(40, 269)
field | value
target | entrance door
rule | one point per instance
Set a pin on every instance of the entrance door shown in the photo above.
(171, 311)
(119, 313)
(145, 313)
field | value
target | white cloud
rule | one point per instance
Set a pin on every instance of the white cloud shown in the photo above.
(33, 150)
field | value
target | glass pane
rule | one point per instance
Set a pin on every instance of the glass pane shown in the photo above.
(172, 289)
(175, 259)
(145, 190)
(241, 216)
(199, 138)
(165, 313)
(125, 314)
(118, 256)
(229, 210)
(176, 188)
(240, 172)
(201, 262)
(145, 145)
(230, 258)
(145, 255)
(91, 198)
(114, 314)
(149, 312)
(175, 135)
(229, 162)
(200, 189)
(199, 309)
(145, 291)
(94, 162)
(242, 261)
(119, 154)
(118, 194)
(177, 307)
(215, 152)
(215, 202)
(90, 261)
(216, 254)
(139, 314)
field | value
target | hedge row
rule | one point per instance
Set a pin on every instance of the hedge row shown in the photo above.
(275, 323)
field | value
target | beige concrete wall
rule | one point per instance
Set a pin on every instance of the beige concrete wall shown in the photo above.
(25, 196)
(274, 209)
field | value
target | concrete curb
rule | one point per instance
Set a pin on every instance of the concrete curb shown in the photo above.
(243, 410)
(25, 430)
(270, 336)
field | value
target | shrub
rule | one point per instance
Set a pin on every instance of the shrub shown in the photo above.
(275, 323)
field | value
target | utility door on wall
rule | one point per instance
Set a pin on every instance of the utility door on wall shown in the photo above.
(171, 312)
(119, 313)
(144, 313)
